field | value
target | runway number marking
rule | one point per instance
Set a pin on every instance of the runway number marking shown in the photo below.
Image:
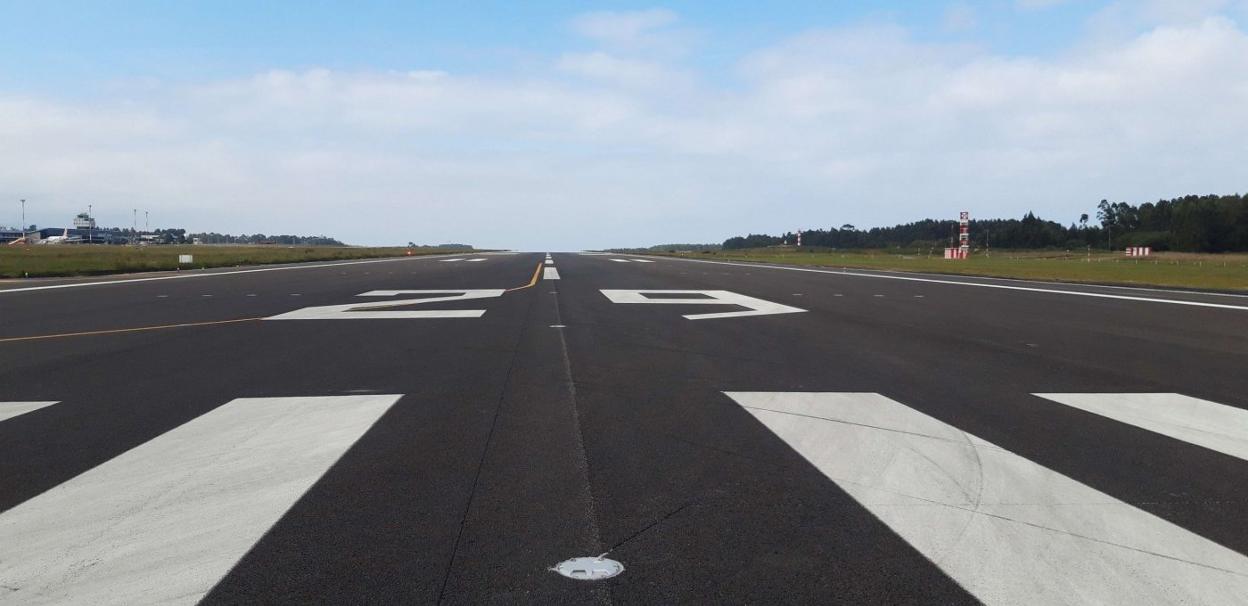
(756, 307)
(372, 310)
(1007, 529)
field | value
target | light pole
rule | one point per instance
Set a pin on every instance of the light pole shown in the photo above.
(134, 225)
(147, 225)
(90, 226)
(23, 217)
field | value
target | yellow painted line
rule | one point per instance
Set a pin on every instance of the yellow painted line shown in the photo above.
(121, 330)
(537, 272)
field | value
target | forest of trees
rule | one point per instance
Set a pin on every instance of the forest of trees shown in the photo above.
(287, 239)
(1191, 223)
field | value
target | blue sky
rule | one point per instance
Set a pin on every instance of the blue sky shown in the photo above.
(66, 46)
(672, 121)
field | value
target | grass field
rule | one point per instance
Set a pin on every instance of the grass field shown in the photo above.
(1183, 270)
(86, 260)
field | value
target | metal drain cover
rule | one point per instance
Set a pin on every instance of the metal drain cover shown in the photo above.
(589, 568)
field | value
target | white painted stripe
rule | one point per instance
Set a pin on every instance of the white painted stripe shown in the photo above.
(8, 410)
(550, 261)
(641, 260)
(451, 260)
(476, 260)
(163, 522)
(550, 273)
(1200, 422)
(1077, 293)
(185, 276)
(1007, 530)
(620, 260)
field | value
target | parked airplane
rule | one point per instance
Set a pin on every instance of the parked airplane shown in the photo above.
(64, 238)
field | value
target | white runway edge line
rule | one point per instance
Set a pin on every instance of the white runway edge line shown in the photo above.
(476, 260)
(1192, 420)
(620, 260)
(164, 521)
(1077, 293)
(550, 273)
(8, 410)
(1008, 530)
(451, 260)
(213, 274)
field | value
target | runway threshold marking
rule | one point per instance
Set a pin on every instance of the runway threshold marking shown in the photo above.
(550, 273)
(113, 331)
(166, 520)
(1201, 422)
(1008, 530)
(1077, 293)
(8, 410)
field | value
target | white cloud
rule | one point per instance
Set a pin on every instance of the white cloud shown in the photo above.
(862, 125)
(622, 28)
(1039, 4)
(960, 17)
(611, 69)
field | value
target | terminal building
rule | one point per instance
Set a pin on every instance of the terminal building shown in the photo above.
(84, 227)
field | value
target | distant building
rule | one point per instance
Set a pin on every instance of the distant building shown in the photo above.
(10, 235)
(84, 221)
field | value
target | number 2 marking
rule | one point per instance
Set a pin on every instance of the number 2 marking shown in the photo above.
(368, 310)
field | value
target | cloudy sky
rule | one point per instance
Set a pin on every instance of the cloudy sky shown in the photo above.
(565, 125)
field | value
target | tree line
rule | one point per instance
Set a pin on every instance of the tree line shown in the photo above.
(287, 239)
(1192, 223)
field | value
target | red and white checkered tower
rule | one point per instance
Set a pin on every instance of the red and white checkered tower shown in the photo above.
(964, 233)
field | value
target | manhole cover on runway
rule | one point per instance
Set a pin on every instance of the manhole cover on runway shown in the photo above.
(589, 568)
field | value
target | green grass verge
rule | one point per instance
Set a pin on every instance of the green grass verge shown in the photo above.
(1181, 270)
(87, 260)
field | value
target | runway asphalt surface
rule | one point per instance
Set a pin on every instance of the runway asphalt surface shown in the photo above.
(863, 437)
